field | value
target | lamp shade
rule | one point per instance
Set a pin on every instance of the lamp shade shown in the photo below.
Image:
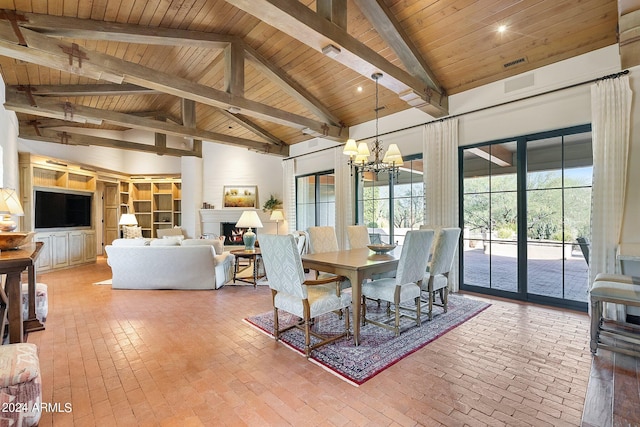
(363, 149)
(128, 219)
(350, 148)
(10, 205)
(249, 219)
(277, 215)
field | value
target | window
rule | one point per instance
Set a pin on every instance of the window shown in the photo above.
(315, 200)
(391, 206)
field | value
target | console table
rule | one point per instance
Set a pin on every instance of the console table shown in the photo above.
(13, 263)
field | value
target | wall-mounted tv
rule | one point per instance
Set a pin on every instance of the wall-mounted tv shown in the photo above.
(56, 209)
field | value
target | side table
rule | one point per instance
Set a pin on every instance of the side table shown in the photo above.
(255, 257)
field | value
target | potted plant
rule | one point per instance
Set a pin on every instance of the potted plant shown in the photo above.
(271, 204)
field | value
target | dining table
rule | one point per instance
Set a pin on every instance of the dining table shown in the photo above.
(357, 265)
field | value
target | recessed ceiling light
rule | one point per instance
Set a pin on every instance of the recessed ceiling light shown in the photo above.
(502, 28)
(359, 89)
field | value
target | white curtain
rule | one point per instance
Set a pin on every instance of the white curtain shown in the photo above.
(344, 196)
(289, 196)
(440, 157)
(610, 123)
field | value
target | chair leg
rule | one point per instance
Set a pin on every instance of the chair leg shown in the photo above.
(445, 301)
(596, 314)
(307, 337)
(346, 321)
(363, 309)
(418, 321)
(388, 309)
(276, 327)
(432, 295)
(397, 322)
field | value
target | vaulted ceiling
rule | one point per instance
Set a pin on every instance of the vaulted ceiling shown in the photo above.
(266, 74)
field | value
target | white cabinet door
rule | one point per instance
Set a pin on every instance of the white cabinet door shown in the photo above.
(60, 249)
(45, 260)
(76, 247)
(89, 246)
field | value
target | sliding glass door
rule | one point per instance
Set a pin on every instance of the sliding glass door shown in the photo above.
(524, 204)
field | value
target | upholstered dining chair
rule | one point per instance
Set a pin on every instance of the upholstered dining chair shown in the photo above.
(358, 236)
(436, 278)
(290, 292)
(323, 239)
(406, 285)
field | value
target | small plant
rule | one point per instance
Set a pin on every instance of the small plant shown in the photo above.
(271, 204)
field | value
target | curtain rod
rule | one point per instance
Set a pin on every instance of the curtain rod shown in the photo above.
(609, 76)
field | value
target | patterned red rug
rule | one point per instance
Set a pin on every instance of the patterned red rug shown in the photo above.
(378, 348)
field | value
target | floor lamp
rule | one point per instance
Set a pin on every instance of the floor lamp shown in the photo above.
(277, 216)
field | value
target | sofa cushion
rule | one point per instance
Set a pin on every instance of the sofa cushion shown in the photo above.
(131, 242)
(218, 247)
(164, 242)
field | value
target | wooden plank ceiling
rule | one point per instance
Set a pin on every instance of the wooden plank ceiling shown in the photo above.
(252, 73)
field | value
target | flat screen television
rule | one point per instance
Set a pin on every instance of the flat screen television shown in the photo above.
(56, 209)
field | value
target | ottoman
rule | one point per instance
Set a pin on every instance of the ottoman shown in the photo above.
(20, 384)
(42, 302)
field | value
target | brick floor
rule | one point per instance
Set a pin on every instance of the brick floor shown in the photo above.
(164, 358)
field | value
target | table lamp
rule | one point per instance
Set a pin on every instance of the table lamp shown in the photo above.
(127, 219)
(277, 216)
(249, 220)
(9, 205)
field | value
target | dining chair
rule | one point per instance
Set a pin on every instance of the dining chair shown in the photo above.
(323, 239)
(306, 299)
(358, 236)
(405, 286)
(436, 278)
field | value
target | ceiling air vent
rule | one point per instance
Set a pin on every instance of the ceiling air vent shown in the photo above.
(522, 60)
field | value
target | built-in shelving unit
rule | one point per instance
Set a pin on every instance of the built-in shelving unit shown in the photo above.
(156, 204)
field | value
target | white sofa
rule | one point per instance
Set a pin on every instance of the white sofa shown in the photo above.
(169, 264)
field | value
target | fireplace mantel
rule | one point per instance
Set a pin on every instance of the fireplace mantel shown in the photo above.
(210, 220)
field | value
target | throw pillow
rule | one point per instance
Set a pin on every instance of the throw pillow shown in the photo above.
(132, 232)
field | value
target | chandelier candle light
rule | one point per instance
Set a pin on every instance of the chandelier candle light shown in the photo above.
(359, 154)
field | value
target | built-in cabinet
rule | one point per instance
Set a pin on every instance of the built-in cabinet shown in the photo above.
(156, 203)
(65, 248)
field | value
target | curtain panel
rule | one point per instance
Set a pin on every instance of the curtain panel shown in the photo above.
(440, 158)
(289, 196)
(344, 196)
(610, 125)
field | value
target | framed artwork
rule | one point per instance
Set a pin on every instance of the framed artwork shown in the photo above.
(240, 196)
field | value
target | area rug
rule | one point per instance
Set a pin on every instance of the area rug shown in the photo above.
(379, 348)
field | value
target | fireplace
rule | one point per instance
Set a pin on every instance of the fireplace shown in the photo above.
(232, 234)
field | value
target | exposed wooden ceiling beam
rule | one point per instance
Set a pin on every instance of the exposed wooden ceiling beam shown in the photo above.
(43, 50)
(47, 107)
(301, 23)
(90, 90)
(62, 26)
(72, 138)
(248, 124)
(496, 154)
(99, 30)
(290, 86)
(388, 27)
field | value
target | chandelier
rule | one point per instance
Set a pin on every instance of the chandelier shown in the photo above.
(359, 155)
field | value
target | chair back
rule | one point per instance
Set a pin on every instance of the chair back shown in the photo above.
(283, 265)
(323, 239)
(414, 256)
(444, 251)
(358, 236)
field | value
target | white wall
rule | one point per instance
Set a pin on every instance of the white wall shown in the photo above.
(9, 144)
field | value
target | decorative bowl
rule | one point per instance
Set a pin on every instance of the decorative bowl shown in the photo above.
(381, 248)
(11, 240)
